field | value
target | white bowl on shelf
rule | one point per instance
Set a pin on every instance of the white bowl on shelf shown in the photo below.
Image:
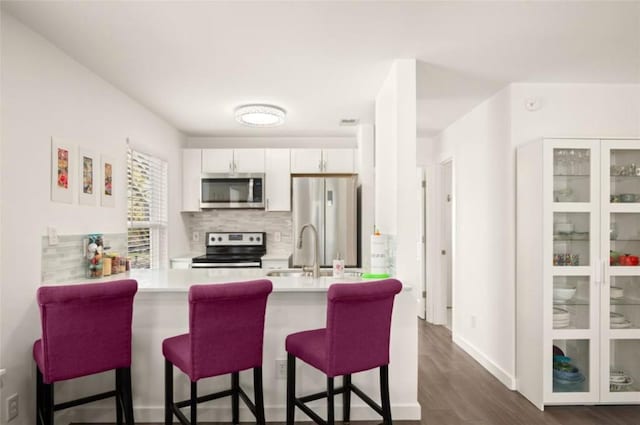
(563, 293)
(616, 293)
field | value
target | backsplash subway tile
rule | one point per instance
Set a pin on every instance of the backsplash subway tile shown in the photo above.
(66, 261)
(243, 221)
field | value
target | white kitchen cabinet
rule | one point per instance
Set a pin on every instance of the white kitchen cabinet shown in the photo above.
(578, 296)
(306, 161)
(249, 160)
(338, 160)
(277, 180)
(233, 160)
(319, 161)
(217, 160)
(191, 163)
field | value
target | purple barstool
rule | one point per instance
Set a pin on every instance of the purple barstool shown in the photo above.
(356, 339)
(86, 329)
(226, 329)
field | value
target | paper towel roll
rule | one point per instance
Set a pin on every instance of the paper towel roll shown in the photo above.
(379, 261)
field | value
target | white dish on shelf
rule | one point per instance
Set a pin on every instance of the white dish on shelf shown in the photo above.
(617, 318)
(624, 325)
(563, 293)
(616, 293)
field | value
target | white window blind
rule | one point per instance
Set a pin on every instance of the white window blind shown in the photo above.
(147, 216)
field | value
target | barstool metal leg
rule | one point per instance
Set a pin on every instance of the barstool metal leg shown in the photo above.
(346, 398)
(291, 388)
(118, 397)
(48, 404)
(330, 402)
(258, 395)
(39, 397)
(384, 392)
(168, 392)
(127, 395)
(235, 398)
(194, 403)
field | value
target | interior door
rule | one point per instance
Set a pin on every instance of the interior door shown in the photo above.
(341, 230)
(308, 207)
(445, 251)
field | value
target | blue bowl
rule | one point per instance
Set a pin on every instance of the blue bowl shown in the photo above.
(573, 375)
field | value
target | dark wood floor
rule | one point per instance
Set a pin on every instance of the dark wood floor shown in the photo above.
(455, 390)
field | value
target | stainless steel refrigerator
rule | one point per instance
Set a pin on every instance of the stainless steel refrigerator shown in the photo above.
(330, 204)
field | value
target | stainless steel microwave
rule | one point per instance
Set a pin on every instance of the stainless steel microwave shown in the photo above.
(232, 191)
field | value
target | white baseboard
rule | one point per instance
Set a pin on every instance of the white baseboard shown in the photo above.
(501, 375)
(222, 413)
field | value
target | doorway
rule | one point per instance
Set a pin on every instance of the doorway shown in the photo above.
(446, 239)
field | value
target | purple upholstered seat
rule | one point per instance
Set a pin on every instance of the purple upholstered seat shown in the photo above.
(86, 329)
(358, 329)
(226, 326)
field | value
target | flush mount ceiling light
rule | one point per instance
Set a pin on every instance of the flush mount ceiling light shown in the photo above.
(260, 115)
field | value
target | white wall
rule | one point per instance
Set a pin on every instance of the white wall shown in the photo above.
(366, 179)
(483, 145)
(396, 187)
(47, 94)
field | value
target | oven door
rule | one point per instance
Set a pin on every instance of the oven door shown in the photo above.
(232, 191)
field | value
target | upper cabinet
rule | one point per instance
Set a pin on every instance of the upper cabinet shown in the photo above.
(191, 163)
(277, 180)
(233, 160)
(318, 161)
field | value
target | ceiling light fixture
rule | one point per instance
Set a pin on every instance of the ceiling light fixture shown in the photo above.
(260, 115)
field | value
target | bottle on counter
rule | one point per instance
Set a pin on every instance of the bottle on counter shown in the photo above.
(338, 266)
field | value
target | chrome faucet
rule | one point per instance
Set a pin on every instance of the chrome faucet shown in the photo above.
(315, 269)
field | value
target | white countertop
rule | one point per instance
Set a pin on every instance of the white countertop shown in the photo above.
(179, 280)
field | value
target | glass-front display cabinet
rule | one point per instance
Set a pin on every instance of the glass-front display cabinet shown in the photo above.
(578, 272)
(620, 247)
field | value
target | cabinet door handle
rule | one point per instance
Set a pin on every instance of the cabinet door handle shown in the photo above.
(603, 272)
(320, 165)
(267, 203)
(324, 165)
(230, 166)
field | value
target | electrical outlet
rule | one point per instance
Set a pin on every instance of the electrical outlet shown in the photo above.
(12, 407)
(53, 235)
(195, 236)
(281, 369)
(473, 322)
(277, 236)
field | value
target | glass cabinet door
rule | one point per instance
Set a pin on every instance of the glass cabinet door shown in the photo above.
(574, 230)
(620, 242)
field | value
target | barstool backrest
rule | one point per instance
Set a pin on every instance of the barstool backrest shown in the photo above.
(226, 326)
(86, 328)
(359, 325)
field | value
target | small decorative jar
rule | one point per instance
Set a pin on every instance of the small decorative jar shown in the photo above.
(94, 254)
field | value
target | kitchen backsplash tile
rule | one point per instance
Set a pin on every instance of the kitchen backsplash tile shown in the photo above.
(65, 261)
(243, 221)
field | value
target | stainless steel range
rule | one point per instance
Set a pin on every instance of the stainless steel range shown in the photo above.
(232, 250)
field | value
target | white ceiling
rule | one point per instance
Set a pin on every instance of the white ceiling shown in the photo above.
(194, 62)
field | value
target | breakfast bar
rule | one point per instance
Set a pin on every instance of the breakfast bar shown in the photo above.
(297, 303)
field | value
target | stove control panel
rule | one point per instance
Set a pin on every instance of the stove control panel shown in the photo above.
(236, 239)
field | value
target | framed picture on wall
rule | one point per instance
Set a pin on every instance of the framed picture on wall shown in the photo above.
(62, 171)
(87, 177)
(107, 168)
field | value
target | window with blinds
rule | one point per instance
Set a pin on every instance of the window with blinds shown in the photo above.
(147, 181)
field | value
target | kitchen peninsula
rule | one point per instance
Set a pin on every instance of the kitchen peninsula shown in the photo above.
(296, 304)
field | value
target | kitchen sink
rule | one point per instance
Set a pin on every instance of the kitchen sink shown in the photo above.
(302, 273)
